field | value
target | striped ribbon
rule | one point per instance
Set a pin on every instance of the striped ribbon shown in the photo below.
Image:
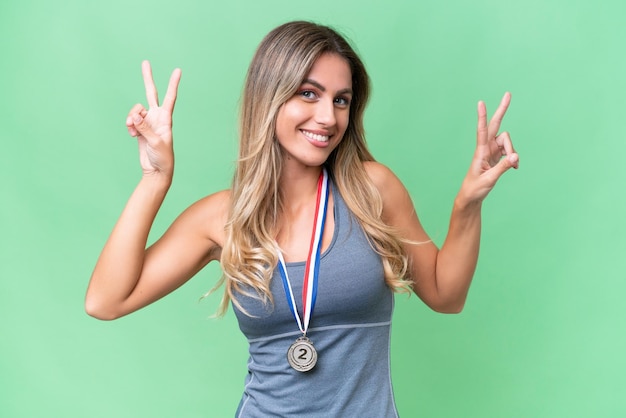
(311, 270)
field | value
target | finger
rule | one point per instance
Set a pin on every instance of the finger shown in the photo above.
(481, 131)
(143, 128)
(151, 92)
(131, 130)
(172, 90)
(138, 109)
(504, 142)
(505, 145)
(496, 119)
(511, 161)
(136, 121)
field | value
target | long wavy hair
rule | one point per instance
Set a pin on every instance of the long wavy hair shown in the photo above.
(281, 63)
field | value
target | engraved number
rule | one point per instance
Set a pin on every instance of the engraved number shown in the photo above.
(303, 353)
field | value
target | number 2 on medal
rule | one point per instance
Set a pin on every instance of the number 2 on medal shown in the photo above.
(303, 353)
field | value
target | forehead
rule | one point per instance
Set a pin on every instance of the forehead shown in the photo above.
(332, 71)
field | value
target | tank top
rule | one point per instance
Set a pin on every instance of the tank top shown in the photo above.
(350, 328)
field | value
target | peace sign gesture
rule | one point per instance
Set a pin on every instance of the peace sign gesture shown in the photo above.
(493, 156)
(153, 126)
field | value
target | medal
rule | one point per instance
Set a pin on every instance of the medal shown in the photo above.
(301, 355)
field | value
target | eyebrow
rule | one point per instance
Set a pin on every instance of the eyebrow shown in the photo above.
(322, 88)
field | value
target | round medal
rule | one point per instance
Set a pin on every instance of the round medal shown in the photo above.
(302, 355)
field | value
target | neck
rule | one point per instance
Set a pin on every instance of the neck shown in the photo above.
(298, 187)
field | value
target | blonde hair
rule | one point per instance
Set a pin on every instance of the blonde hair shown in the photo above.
(280, 64)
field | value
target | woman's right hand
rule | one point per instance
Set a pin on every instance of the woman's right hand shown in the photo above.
(153, 126)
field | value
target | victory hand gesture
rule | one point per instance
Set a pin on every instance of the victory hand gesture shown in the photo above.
(153, 126)
(493, 156)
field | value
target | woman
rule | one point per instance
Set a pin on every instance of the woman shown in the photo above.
(303, 164)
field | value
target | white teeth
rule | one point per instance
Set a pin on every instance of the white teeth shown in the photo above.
(316, 137)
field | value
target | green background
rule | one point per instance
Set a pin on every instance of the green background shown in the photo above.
(542, 334)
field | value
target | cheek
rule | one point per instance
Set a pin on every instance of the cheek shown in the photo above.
(294, 112)
(343, 120)
(289, 117)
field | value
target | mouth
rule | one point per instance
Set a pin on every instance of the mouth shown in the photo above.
(315, 136)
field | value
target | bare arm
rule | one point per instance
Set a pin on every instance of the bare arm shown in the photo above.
(127, 276)
(442, 277)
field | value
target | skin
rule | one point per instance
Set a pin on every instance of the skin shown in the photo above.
(128, 276)
(321, 106)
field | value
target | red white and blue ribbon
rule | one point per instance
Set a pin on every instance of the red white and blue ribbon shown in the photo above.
(311, 270)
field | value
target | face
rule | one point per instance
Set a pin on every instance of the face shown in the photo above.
(310, 125)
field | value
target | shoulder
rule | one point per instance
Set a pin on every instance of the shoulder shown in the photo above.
(216, 204)
(386, 182)
(380, 174)
(209, 215)
(395, 197)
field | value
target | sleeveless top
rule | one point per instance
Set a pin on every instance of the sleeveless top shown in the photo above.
(350, 329)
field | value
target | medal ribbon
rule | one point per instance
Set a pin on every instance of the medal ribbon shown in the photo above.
(311, 269)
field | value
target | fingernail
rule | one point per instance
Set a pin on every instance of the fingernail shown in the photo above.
(137, 119)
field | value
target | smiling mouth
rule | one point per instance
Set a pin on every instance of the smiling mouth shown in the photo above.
(316, 137)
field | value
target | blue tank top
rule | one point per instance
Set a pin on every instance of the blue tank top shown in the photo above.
(350, 329)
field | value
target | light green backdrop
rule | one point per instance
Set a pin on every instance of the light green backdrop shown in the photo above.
(542, 334)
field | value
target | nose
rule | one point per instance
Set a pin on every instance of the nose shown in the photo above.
(325, 113)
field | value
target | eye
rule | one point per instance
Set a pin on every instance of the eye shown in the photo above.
(342, 101)
(307, 94)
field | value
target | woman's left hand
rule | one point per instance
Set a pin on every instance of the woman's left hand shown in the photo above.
(494, 155)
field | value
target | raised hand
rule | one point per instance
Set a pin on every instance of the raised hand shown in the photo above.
(494, 154)
(153, 126)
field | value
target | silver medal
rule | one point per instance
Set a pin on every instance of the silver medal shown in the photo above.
(302, 355)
